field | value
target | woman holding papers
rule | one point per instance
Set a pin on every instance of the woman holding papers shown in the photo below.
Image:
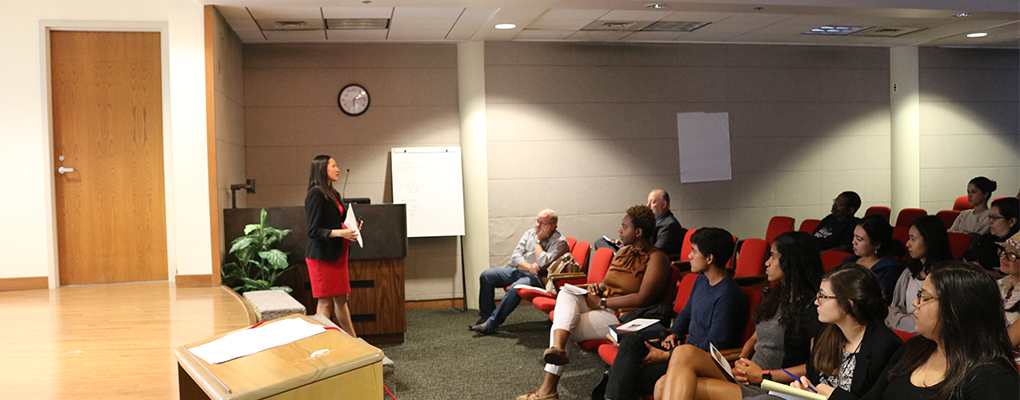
(637, 277)
(328, 243)
(962, 351)
(785, 323)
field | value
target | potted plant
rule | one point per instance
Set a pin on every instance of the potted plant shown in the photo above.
(258, 264)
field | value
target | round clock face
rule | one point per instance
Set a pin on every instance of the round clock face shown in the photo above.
(353, 100)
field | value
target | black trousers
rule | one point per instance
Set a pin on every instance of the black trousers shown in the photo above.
(628, 379)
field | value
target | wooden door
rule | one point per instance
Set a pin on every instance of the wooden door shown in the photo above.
(108, 127)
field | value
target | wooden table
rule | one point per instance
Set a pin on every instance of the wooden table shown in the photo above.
(351, 369)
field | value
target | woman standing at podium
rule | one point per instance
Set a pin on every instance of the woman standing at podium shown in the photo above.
(328, 243)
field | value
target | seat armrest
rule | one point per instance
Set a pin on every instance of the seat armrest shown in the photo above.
(568, 275)
(751, 280)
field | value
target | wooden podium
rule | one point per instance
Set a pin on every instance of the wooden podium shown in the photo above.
(351, 369)
(376, 271)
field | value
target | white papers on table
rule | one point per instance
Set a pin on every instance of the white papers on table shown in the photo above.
(352, 223)
(574, 290)
(704, 140)
(251, 341)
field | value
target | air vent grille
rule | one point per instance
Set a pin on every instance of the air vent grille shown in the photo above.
(887, 31)
(675, 26)
(629, 26)
(357, 23)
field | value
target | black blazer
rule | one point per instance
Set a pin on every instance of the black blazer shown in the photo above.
(669, 236)
(323, 215)
(877, 348)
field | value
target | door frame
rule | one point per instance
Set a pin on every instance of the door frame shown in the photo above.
(47, 26)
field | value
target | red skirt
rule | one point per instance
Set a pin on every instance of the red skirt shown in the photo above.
(329, 278)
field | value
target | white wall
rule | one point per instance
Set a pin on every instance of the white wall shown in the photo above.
(27, 239)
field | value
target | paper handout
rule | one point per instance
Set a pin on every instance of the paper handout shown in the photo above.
(251, 341)
(352, 223)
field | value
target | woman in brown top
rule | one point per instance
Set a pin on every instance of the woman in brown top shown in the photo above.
(637, 277)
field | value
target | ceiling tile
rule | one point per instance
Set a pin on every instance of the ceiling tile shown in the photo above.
(698, 36)
(245, 24)
(784, 29)
(809, 39)
(724, 27)
(569, 13)
(285, 12)
(697, 16)
(311, 23)
(295, 36)
(598, 36)
(652, 36)
(229, 12)
(631, 15)
(478, 13)
(559, 24)
(756, 37)
(461, 34)
(427, 12)
(471, 24)
(354, 35)
(250, 36)
(923, 22)
(357, 12)
(870, 21)
(816, 20)
(433, 34)
(542, 35)
(761, 18)
(422, 24)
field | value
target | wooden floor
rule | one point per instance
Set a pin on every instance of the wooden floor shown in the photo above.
(106, 341)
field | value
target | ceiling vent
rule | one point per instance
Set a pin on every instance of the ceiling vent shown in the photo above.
(357, 23)
(290, 24)
(629, 26)
(675, 26)
(887, 31)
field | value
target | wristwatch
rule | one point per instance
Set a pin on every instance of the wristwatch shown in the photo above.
(602, 303)
(766, 374)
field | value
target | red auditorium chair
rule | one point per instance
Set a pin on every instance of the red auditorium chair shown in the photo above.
(685, 248)
(571, 242)
(778, 225)
(908, 215)
(961, 204)
(958, 243)
(832, 259)
(751, 260)
(880, 210)
(596, 273)
(809, 225)
(948, 216)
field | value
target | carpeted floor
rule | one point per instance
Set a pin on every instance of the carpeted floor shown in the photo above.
(441, 359)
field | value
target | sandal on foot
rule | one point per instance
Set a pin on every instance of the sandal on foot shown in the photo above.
(535, 396)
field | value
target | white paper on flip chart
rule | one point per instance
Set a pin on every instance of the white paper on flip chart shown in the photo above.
(251, 341)
(352, 223)
(704, 140)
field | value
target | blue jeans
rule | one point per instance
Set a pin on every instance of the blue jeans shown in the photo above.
(492, 278)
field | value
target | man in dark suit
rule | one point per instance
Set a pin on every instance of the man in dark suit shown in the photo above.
(669, 236)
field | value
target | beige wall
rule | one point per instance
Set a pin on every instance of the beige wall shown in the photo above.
(970, 122)
(291, 116)
(228, 81)
(589, 129)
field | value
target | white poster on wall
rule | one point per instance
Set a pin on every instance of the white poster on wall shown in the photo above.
(429, 181)
(704, 140)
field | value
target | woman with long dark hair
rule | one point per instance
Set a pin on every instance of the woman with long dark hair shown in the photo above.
(874, 247)
(928, 244)
(329, 241)
(785, 323)
(962, 351)
(974, 222)
(1003, 222)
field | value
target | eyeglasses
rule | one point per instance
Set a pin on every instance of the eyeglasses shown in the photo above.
(923, 297)
(995, 217)
(821, 296)
(1009, 255)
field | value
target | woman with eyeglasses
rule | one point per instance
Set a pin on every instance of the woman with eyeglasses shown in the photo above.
(962, 351)
(785, 323)
(1003, 222)
(1009, 285)
(927, 245)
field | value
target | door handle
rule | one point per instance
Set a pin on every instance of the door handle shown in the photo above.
(63, 170)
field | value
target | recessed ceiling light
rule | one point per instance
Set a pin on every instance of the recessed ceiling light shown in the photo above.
(655, 6)
(961, 15)
(977, 34)
(834, 30)
(506, 26)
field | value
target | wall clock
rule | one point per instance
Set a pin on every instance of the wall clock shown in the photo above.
(353, 100)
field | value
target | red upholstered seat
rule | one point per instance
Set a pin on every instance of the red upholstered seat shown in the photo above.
(751, 260)
(905, 336)
(685, 248)
(809, 225)
(908, 215)
(596, 273)
(880, 210)
(571, 242)
(961, 204)
(958, 243)
(832, 259)
(778, 225)
(948, 217)
(580, 251)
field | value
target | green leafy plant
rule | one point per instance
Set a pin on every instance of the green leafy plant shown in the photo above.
(258, 264)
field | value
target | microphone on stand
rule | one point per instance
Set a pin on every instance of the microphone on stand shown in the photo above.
(345, 183)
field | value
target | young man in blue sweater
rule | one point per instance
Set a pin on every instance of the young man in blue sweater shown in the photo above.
(715, 313)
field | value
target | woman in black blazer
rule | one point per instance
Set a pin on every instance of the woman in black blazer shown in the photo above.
(850, 354)
(328, 243)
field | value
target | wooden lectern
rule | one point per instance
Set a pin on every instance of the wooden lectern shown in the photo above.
(351, 369)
